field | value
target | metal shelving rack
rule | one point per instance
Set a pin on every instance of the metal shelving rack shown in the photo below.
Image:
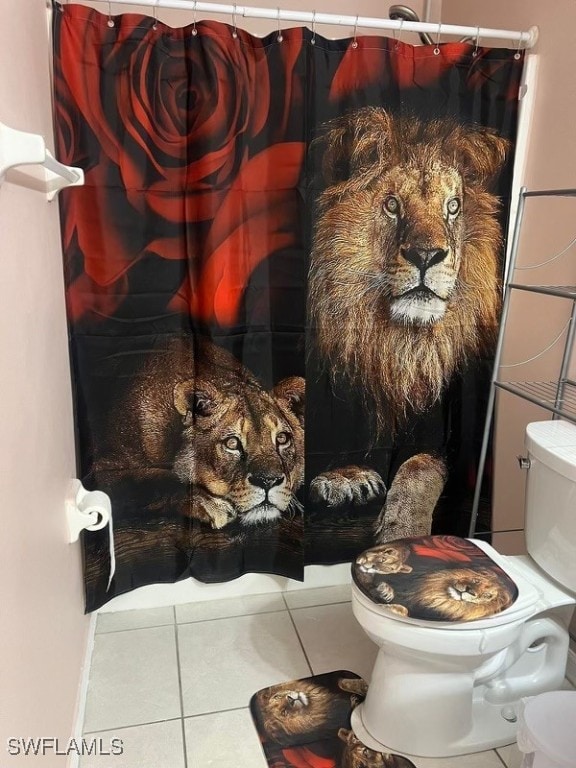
(559, 396)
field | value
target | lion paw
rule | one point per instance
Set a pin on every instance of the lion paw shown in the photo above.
(215, 512)
(347, 485)
(356, 686)
(385, 592)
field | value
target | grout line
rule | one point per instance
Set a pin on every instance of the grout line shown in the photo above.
(165, 720)
(216, 712)
(234, 616)
(318, 605)
(301, 643)
(193, 621)
(501, 759)
(134, 629)
(181, 697)
(134, 725)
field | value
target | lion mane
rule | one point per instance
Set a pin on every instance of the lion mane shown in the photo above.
(404, 277)
(293, 711)
(460, 594)
(356, 755)
(450, 594)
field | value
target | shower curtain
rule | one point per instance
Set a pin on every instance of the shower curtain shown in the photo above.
(282, 282)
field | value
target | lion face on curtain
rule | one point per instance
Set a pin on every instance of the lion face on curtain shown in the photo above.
(404, 273)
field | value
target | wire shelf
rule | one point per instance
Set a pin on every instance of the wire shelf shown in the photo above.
(557, 397)
(564, 291)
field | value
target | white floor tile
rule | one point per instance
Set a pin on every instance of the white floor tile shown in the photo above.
(137, 619)
(234, 606)
(133, 679)
(223, 740)
(304, 598)
(158, 745)
(224, 662)
(511, 756)
(478, 760)
(333, 639)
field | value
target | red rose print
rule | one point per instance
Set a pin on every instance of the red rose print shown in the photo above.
(170, 133)
(385, 62)
(259, 215)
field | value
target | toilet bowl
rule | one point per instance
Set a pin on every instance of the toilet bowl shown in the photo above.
(446, 688)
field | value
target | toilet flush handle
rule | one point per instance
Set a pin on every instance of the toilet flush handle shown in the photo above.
(523, 462)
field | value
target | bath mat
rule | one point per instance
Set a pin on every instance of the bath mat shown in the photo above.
(434, 578)
(306, 724)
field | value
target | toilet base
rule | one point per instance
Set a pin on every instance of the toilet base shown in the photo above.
(491, 729)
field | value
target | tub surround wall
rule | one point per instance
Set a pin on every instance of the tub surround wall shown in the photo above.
(43, 632)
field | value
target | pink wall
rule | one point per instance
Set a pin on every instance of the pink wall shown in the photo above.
(535, 321)
(43, 633)
(549, 226)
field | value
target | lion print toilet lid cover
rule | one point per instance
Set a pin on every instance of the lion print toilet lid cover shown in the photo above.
(434, 578)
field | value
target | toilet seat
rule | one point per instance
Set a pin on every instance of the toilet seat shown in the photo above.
(523, 605)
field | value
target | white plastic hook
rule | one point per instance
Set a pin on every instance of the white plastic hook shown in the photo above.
(110, 19)
(437, 48)
(517, 54)
(355, 41)
(155, 14)
(194, 30)
(279, 36)
(235, 28)
(313, 40)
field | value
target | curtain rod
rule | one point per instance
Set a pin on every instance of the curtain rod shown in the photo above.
(525, 39)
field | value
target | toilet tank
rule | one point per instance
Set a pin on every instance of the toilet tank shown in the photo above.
(551, 499)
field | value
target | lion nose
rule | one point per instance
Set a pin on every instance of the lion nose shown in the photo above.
(424, 258)
(265, 480)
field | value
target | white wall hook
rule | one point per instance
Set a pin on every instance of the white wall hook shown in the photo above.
(89, 511)
(18, 148)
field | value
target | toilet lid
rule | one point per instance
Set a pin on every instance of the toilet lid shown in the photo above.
(434, 578)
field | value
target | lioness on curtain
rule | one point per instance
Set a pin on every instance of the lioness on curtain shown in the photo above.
(283, 278)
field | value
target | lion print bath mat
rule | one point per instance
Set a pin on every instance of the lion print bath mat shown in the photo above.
(434, 578)
(306, 724)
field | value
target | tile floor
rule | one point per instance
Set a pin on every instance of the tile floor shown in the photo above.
(174, 683)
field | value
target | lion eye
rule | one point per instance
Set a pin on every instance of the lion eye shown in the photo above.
(232, 444)
(453, 206)
(283, 438)
(391, 205)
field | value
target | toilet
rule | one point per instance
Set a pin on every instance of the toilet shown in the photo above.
(444, 688)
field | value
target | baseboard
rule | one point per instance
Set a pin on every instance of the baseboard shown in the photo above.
(74, 759)
(571, 666)
(191, 591)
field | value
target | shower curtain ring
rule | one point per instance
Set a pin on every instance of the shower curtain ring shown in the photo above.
(194, 30)
(313, 40)
(517, 54)
(437, 49)
(279, 36)
(110, 19)
(397, 39)
(355, 41)
(235, 30)
(155, 13)
(475, 51)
